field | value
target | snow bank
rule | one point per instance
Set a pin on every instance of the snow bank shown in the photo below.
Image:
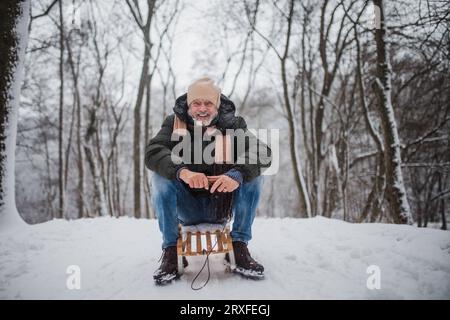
(304, 259)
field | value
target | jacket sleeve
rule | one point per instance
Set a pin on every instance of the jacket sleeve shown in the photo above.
(159, 149)
(254, 157)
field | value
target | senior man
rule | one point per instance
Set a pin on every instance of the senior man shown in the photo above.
(187, 192)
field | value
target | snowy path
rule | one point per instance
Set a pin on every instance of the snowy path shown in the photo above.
(304, 259)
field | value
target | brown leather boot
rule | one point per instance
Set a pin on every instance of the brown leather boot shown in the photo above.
(245, 264)
(168, 270)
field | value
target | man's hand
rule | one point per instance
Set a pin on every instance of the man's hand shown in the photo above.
(194, 179)
(223, 183)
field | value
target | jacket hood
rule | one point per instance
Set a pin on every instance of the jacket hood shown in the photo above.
(225, 119)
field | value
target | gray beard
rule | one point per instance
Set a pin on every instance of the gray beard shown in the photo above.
(203, 123)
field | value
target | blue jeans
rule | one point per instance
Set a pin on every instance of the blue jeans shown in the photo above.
(174, 204)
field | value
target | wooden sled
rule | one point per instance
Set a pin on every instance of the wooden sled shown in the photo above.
(202, 239)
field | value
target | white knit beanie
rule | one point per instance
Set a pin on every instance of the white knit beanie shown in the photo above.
(204, 88)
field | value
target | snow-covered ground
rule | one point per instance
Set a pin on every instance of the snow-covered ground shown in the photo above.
(304, 259)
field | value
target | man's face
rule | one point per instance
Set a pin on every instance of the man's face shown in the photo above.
(203, 110)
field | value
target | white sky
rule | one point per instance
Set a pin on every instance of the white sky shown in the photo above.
(187, 39)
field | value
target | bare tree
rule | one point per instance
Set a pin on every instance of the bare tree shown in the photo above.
(293, 131)
(144, 27)
(13, 29)
(374, 202)
(168, 18)
(74, 64)
(396, 192)
(60, 211)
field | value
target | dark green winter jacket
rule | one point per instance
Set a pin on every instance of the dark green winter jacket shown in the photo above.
(159, 148)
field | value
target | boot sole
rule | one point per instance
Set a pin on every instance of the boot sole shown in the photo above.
(247, 274)
(169, 278)
(166, 279)
(253, 275)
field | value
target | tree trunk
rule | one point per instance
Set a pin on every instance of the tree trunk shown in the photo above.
(60, 211)
(298, 175)
(14, 36)
(330, 71)
(442, 204)
(98, 194)
(375, 199)
(80, 166)
(396, 193)
(48, 166)
(137, 111)
(79, 120)
(117, 183)
(146, 185)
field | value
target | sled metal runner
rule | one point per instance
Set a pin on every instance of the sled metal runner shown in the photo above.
(202, 240)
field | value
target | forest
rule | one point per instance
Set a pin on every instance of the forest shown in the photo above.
(359, 90)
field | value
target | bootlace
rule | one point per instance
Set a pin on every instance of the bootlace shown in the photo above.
(163, 253)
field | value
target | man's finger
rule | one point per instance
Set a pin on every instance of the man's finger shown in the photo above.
(200, 182)
(205, 183)
(222, 187)
(215, 185)
(213, 178)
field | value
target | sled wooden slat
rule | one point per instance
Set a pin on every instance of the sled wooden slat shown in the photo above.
(199, 242)
(208, 241)
(219, 241)
(223, 239)
(188, 241)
